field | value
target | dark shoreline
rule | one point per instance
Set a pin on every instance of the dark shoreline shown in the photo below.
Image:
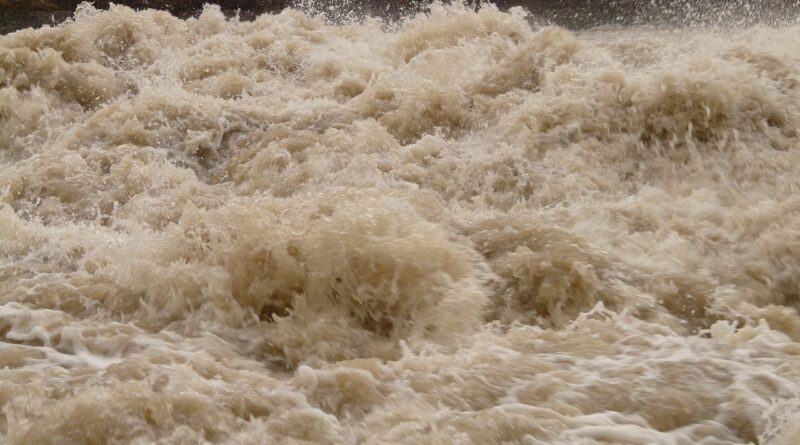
(573, 14)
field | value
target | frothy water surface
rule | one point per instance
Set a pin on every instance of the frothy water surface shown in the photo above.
(459, 229)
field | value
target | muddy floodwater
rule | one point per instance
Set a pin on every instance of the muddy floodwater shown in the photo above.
(460, 227)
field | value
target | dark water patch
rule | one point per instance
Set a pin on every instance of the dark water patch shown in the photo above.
(11, 21)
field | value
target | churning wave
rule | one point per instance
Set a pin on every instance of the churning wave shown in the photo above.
(457, 228)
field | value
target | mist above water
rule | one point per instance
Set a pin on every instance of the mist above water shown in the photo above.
(463, 226)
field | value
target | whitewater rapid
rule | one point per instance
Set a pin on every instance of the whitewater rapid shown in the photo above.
(461, 228)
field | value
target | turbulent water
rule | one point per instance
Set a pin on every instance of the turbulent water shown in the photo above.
(458, 229)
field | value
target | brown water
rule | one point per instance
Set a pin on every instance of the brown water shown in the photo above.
(464, 229)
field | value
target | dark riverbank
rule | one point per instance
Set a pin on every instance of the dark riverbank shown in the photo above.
(574, 14)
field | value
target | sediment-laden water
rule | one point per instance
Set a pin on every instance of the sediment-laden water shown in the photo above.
(458, 229)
